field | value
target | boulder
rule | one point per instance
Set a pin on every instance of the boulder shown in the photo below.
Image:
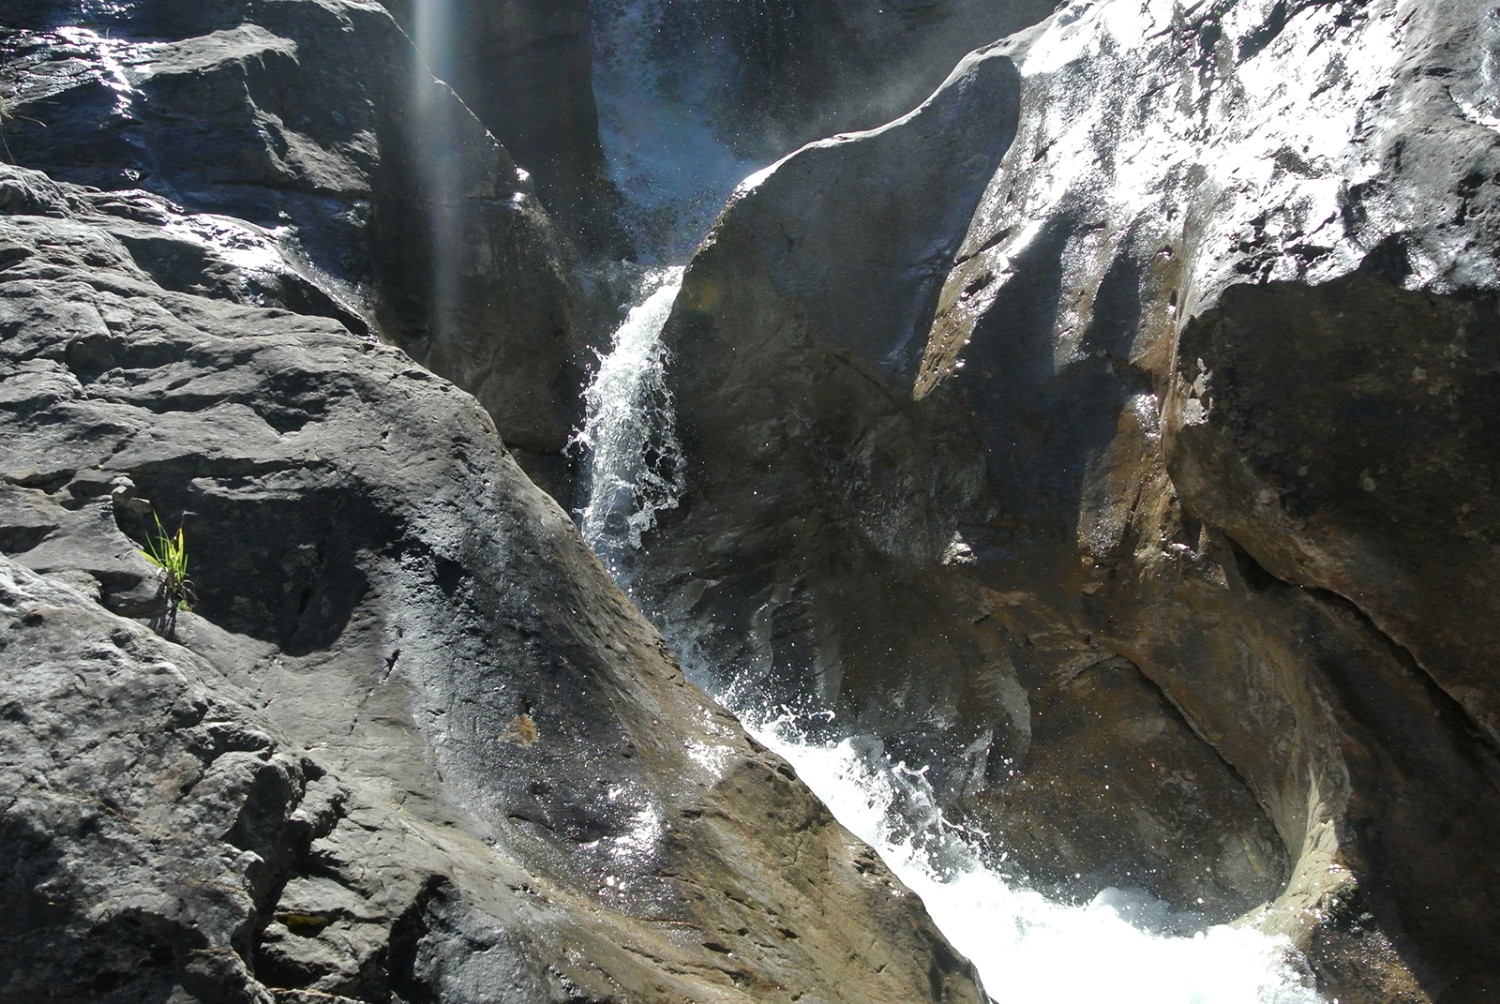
(410, 742)
(1162, 538)
(316, 122)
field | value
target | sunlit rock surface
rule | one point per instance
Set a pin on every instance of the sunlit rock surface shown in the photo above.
(1168, 536)
(411, 743)
(1111, 438)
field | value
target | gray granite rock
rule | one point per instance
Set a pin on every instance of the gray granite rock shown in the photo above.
(316, 128)
(411, 743)
(1167, 544)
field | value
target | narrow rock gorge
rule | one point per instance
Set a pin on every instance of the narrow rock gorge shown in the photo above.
(1069, 427)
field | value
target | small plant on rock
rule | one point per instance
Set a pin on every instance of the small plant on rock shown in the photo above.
(168, 552)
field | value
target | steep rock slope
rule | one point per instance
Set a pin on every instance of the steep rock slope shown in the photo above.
(1170, 541)
(316, 121)
(412, 743)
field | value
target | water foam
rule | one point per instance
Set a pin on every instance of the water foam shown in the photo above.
(675, 169)
(635, 467)
(1025, 946)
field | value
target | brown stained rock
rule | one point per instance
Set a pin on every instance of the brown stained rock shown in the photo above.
(413, 742)
(1392, 580)
(1221, 331)
(1344, 437)
(1105, 745)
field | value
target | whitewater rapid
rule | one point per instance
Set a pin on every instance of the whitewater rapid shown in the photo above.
(674, 168)
(1026, 947)
(629, 434)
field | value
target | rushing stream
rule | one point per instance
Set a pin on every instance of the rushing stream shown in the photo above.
(1026, 947)
(1120, 947)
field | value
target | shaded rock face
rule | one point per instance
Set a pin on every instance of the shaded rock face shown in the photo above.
(412, 744)
(1165, 535)
(316, 123)
(803, 417)
(806, 69)
(524, 69)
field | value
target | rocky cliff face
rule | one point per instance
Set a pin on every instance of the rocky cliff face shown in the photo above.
(318, 124)
(1112, 433)
(411, 744)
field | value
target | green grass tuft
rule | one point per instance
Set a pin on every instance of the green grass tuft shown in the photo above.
(168, 552)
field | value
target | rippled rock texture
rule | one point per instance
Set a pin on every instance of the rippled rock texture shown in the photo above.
(317, 123)
(411, 744)
(1116, 433)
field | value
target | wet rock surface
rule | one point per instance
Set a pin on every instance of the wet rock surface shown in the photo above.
(1112, 437)
(1167, 546)
(411, 743)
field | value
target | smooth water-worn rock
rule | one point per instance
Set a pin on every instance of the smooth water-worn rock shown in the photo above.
(693, 97)
(411, 743)
(1111, 436)
(1165, 535)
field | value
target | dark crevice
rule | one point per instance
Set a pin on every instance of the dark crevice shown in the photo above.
(1252, 572)
(1445, 704)
(407, 935)
(993, 241)
(1260, 578)
(1263, 36)
(1396, 725)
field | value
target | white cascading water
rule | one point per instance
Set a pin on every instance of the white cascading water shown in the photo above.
(674, 171)
(629, 433)
(1025, 946)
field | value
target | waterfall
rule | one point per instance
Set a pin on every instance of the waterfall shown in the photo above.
(629, 435)
(1026, 947)
(675, 170)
